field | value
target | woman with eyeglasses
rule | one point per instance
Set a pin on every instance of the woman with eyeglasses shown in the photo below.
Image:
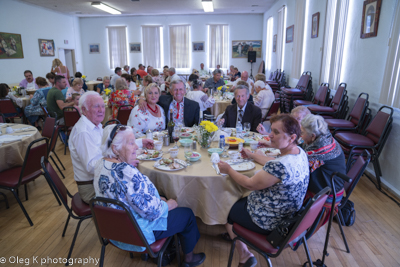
(116, 177)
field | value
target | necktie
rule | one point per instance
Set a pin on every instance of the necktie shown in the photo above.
(240, 118)
(177, 108)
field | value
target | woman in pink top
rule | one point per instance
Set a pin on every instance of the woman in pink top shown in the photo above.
(60, 69)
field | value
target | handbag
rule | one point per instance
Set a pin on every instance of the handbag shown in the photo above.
(348, 213)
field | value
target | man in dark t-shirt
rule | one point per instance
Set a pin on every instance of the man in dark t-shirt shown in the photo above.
(56, 100)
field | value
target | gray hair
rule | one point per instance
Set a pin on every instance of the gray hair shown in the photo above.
(176, 82)
(242, 87)
(105, 78)
(300, 110)
(126, 66)
(171, 70)
(315, 124)
(216, 71)
(85, 97)
(118, 142)
(260, 84)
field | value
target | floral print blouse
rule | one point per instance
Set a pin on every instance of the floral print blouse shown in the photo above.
(269, 206)
(120, 98)
(125, 183)
(141, 121)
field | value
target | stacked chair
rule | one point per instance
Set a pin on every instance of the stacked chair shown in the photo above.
(302, 91)
(321, 97)
(337, 108)
(276, 80)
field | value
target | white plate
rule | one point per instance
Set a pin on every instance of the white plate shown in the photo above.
(163, 167)
(270, 152)
(144, 156)
(241, 167)
(187, 130)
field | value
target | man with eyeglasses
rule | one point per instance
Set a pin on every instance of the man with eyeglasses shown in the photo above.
(85, 142)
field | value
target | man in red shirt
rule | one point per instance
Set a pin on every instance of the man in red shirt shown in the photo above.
(141, 71)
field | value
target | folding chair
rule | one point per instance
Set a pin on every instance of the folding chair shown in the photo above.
(7, 107)
(2, 118)
(337, 106)
(71, 117)
(123, 114)
(78, 207)
(259, 242)
(114, 121)
(50, 131)
(272, 110)
(118, 224)
(303, 90)
(320, 99)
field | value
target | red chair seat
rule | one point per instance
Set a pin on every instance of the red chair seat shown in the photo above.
(292, 91)
(302, 102)
(80, 207)
(339, 123)
(10, 177)
(321, 109)
(326, 117)
(256, 239)
(354, 139)
(157, 245)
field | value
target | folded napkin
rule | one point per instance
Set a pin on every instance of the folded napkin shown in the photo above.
(219, 133)
(29, 128)
(215, 158)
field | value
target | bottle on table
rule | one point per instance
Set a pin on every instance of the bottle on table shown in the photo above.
(221, 141)
(239, 129)
(171, 126)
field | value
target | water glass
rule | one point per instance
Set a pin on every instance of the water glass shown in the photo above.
(226, 147)
(188, 153)
(246, 127)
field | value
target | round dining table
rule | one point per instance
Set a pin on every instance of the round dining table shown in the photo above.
(13, 145)
(198, 186)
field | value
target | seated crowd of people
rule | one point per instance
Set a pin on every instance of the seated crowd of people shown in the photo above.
(105, 159)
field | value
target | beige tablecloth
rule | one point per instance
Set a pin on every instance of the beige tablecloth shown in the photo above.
(92, 84)
(219, 107)
(198, 187)
(12, 154)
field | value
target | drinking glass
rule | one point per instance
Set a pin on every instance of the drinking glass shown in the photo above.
(246, 127)
(188, 153)
(226, 147)
(175, 137)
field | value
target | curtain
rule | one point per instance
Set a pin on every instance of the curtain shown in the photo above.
(218, 46)
(390, 93)
(280, 37)
(179, 46)
(152, 46)
(117, 46)
(334, 39)
(269, 44)
(298, 39)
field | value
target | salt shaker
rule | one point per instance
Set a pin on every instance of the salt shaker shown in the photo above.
(166, 140)
(194, 145)
(149, 134)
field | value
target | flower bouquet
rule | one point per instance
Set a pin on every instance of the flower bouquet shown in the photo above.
(207, 130)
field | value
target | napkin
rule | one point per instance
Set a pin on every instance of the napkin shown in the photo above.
(215, 158)
(218, 134)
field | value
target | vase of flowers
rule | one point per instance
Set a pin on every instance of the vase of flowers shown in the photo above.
(207, 131)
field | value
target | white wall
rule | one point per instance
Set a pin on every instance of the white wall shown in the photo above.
(363, 66)
(93, 30)
(34, 23)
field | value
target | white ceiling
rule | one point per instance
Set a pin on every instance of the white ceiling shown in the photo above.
(81, 8)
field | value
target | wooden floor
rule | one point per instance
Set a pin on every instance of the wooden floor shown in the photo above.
(374, 239)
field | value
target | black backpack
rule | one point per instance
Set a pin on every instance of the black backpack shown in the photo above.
(349, 213)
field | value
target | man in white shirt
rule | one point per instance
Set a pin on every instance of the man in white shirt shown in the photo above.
(202, 71)
(125, 70)
(244, 77)
(199, 95)
(172, 77)
(85, 142)
(117, 75)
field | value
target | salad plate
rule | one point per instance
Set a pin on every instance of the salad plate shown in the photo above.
(170, 165)
(150, 155)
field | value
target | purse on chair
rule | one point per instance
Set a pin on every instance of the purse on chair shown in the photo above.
(348, 213)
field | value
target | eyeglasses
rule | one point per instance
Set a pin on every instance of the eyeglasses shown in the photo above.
(114, 132)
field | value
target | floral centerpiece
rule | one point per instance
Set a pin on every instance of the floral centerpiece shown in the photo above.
(107, 91)
(207, 131)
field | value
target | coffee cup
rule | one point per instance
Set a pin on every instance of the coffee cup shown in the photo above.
(254, 145)
(173, 152)
(233, 154)
(158, 145)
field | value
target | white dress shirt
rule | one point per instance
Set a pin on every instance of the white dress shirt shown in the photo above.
(203, 72)
(201, 98)
(249, 81)
(113, 79)
(264, 100)
(175, 77)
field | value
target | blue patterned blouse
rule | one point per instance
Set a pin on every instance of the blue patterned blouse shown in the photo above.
(125, 183)
(267, 207)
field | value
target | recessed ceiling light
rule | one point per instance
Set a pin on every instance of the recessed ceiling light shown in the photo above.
(106, 8)
(207, 5)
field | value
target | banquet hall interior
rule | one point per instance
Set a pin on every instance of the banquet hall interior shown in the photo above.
(335, 41)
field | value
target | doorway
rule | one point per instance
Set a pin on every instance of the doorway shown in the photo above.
(67, 57)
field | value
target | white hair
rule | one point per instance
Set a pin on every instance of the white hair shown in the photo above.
(84, 98)
(118, 142)
(300, 110)
(315, 124)
(260, 84)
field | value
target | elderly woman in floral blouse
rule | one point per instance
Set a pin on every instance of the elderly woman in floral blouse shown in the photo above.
(156, 216)
(122, 96)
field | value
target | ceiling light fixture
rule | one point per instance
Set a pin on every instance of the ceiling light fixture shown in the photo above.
(106, 8)
(207, 5)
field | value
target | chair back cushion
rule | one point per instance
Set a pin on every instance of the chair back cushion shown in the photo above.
(33, 156)
(338, 96)
(123, 114)
(48, 127)
(115, 224)
(52, 174)
(303, 81)
(357, 110)
(71, 116)
(320, 96)
(7, 106)
(377, 126)
(353, 173)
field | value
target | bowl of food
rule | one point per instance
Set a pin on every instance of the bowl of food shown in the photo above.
(215, 150)
(233, 141)
(185, 142)
(194, 156)
(185, 135)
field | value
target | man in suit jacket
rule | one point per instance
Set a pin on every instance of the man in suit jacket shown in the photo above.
(188, 113)
(250, 112)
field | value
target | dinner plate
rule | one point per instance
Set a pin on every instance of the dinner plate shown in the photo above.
(187, 130)
(167, 168)
(241, 167)
(248, 140)
(271, 152)
(150, 152)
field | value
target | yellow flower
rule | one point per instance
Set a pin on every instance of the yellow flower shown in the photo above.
(107, 91)
(219, 88)
(83, 76)
(209, 126)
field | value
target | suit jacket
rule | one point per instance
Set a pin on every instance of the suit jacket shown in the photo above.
(252, 114)
(191, 110)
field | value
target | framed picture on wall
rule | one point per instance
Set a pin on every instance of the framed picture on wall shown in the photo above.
(240, 48)
(315, 25)
(289, 34)
(198, 46)
(46, 48)
(274, 43)
(134, 48)
(10, 45)
(370, 18)
(94, 48)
